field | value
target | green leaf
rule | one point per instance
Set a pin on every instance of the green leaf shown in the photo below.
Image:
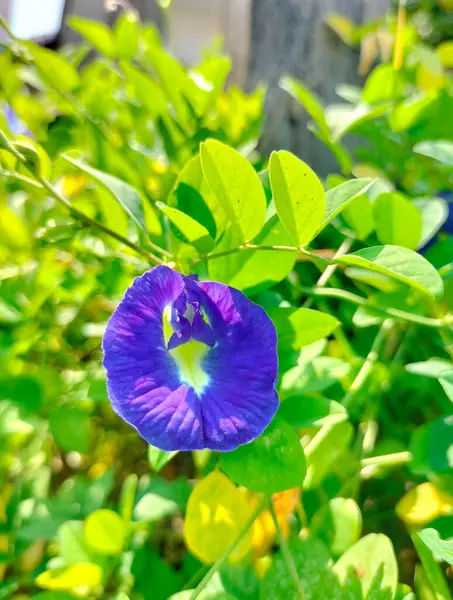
(406, 113)
(193, 196)
(446, 381)
(397, 221)
(442, 549)
(400, 263)
(104, 532)
(441, 150)
(178, 86)
(126, 32)
(70, 577)
(254, 269)
(237, 187)
(383, 84)
(434, 213)
(195, 234)
(54, 68)
(308, 99)
(147, 90)
(272, 463)
(325, 450)
(433, 367)
(297, 327)
(303, 411)
(312, 562)
(432, 447)
(358, 215)
(338, 198)
(158, 458)
(127, 196)
(71, 428)
(71, 543)
(338, 524)
(298, 195)
(434, 578)
(364, 561)
(96, 33)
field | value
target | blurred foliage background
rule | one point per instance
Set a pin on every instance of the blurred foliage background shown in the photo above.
(100, 179)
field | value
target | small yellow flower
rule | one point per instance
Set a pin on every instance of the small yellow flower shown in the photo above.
(422, 504)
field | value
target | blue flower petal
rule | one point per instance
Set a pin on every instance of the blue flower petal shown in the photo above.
(215, 390)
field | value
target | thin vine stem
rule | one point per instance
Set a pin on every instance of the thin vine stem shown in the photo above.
(287, 557)
(388, 312)
(231, 548)
(370, 360)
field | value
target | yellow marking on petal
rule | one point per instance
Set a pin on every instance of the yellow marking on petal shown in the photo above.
(188, 358)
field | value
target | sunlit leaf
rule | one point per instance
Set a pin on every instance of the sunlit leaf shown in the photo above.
(339, 197)
(70, 577)
(400, 263)
(441, 150)
(298, 327)
(442, 549)
(422, 504)
(308, 99)
(338, 524)
(372, 556)
(237, 187)
(105, 532)
(54, 68)
(195, 234)
(216, 513)
(397, 221)
(126, 32)
(298, 195)
(96, 33)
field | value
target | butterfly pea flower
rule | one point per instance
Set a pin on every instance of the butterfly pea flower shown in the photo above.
(191, 364)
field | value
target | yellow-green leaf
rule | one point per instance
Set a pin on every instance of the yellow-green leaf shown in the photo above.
(105, 532)
(397, 221)
(237, 186)
(70, 577)
(298, 195)
(216, 513)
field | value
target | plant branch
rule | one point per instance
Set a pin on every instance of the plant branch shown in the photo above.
(152, 258)
(287, 555)
(387, 312)
(367, 366)
(231, 548)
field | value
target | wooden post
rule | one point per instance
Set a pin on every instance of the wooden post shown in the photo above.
(291, 37)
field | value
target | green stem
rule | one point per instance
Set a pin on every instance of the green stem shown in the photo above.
(246, 248)
(388, 312)
(387, 460)
(77, 213)
(287, 555)
(231, 548)
(367, 366)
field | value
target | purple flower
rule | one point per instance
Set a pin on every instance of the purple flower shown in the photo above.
(191, 365)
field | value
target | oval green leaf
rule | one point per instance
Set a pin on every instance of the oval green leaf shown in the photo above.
(97, 34)
(303, 411)
(196, 235)
(272, 463)
(338, 524)
(105, 532)
(298, 195)
(441, 150)
(237, 187)
(338, 198)
(372, 562)
(297, 327)
(397, 221)
(400, 263)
